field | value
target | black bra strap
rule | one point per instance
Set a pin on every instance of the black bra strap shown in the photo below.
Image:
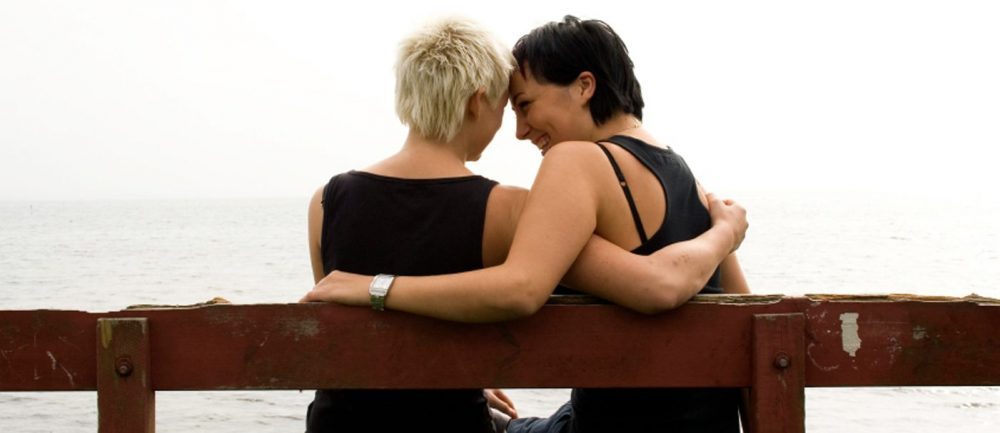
(628, 193)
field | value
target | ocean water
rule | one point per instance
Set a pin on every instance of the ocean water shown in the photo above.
(102, 256)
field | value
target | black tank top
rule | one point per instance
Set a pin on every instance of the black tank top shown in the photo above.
(661, 409)
(376, 224)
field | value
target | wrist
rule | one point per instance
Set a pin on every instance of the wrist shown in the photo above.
(378, 290)
(727, 238)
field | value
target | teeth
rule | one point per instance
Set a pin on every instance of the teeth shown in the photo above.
(543, 144)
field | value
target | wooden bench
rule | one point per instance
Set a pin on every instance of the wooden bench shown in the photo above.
(774, 345)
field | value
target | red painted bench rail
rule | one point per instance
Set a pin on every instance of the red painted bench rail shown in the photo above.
(775, 345)
(705, 343)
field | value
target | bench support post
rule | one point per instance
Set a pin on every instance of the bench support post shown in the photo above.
(777, 394)
(125, 398)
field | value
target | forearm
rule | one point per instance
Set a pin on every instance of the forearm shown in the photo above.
(696, 260)
(654, 283)
(488, 295)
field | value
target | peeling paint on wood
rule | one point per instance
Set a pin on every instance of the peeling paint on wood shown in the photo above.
(107, 332)
(850, 341)
(737, 299)
(218, 300)
(901, 297)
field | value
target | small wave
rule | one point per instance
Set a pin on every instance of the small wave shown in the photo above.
(252, 400)
(281, 417)
(977, 405)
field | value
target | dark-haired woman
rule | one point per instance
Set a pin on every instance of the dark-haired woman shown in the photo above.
(607, 176)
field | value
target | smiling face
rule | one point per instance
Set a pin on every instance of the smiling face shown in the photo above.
(548, 114)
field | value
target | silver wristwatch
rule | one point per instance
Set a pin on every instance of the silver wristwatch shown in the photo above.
(379, 289)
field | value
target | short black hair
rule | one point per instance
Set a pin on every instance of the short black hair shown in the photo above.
(558, 52)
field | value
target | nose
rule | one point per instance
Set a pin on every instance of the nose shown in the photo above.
(522, 127)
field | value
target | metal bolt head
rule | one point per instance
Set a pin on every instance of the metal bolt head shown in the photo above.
(123, 366)
(782, 361)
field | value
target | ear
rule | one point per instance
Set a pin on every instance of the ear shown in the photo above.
(585, 85)
(475, 104)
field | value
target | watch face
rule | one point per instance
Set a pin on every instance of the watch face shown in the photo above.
(378, 289)
(380, 286)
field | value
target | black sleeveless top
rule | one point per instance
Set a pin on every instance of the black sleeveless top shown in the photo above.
(661, 409)
(376, 224)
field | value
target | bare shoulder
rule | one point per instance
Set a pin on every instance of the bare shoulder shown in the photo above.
(573, 150)
(317, 197)
(503, 210)
(576, 158)
(505, 204)
(315, 226)
(508, 195)
(316, 204)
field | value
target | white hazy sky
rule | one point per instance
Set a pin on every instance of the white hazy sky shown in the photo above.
(191, 99)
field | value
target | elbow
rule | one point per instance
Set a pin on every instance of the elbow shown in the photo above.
(518, 307)
(524, 299)
(660, 302)
(668, 295)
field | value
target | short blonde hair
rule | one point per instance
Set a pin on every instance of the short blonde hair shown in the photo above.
(440, 67)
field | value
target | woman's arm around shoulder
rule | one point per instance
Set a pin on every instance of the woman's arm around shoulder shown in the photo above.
(558, 220)
(665, 279)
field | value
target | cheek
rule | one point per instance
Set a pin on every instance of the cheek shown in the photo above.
(537, 117)
(552, 121)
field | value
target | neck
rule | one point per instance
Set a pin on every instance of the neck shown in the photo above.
(424, 158)
(619, 124)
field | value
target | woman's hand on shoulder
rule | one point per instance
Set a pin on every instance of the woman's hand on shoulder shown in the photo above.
(341, 288)
(730, 214)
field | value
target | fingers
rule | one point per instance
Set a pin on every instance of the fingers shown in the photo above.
(715, 202)
(503, 397)
(711, 200)
(309, 297)
(500, 401)
(729, 213)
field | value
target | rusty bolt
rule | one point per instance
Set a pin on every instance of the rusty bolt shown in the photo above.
(782, 361)
(123, 366)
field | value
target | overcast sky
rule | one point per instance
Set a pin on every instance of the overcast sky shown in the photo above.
(212, 99)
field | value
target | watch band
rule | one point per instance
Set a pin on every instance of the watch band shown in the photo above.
(379, 289)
